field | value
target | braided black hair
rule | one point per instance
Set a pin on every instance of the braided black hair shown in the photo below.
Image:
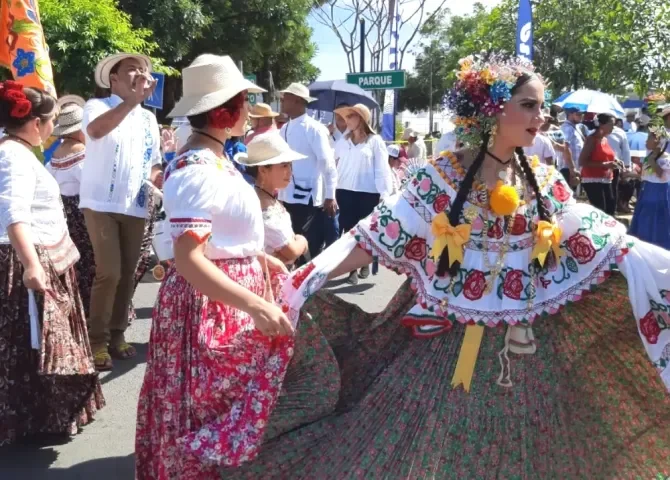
(466, 186)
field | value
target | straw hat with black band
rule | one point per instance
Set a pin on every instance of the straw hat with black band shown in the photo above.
(69, 120)
(105, 66)
(300, 91)
(65, 99)
(209, 82)
(262, 110)
(267, 149)
(362, 111)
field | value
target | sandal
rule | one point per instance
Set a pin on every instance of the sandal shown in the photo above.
(123, 351)
(102, 361)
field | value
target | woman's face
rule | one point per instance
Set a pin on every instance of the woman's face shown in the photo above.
(522, 118)
(45, 127)
(238, 128)
(606, 128)
(354, 121)
(652, 142)
(277, 177)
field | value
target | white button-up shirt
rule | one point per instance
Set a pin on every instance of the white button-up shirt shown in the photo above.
(542, 148)
(314, 178)
(118, 164)
(619, 143)
(364, 167)
(575, 140)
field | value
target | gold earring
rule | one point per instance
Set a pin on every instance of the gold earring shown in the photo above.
(492, 137)
(227, 130)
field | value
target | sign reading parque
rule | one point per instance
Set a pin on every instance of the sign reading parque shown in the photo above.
(391, 80)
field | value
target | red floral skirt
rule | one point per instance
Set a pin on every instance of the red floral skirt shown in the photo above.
(211, 382)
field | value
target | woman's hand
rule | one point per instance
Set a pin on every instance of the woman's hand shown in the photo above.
(35, 278)
(270, 320)
(274, 264)
(610, 165)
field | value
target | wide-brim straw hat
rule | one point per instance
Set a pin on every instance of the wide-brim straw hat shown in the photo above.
(104, 67)
(361, 110)
(299, 90)
(267, 149)
(69, 120)
(262, 110)
(409, 133)
(209, 82)
(65, 99)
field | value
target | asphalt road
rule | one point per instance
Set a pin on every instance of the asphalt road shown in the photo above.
(104, 449)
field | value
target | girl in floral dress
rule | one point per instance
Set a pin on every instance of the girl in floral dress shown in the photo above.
(464, 379)
(48, 384)
(218, 349)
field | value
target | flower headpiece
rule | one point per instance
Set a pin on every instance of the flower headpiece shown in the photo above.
(227, 115)
(482, 87)
(12, 93)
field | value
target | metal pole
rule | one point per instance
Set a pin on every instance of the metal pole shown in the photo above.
(240, 65)
(362, 51)
(430, 97)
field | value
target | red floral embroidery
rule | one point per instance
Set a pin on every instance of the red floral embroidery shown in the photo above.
(302, 275)
(610, 223)
(416, 249)
(581, 248)
(441, 203)
(496, 230)
(650, 328)
(374, 227)
(474, 286)
(513, 285)
(520, 224)
(559, 192)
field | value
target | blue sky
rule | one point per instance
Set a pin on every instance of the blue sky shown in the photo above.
(332, 61)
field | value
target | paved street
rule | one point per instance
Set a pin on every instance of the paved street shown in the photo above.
(104, 450)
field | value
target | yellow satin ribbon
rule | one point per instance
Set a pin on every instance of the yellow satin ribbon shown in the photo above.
(446, 235)
(548, 239)
(465, 366)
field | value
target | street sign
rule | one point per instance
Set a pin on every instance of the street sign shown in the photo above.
(156, 98)
(391, 80)
(253, 98)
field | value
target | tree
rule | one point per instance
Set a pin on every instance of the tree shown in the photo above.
(82, 32)
(610, 45)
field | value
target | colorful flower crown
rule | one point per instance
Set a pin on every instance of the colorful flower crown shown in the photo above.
(482, 87)
(12, 93)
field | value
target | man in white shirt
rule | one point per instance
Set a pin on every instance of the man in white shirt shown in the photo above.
(123, 154)
(618, 141)
(574, 137)
(417, 148)
(311, 193)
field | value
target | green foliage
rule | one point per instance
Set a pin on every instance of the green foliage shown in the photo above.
(81, 32)
(610, 45)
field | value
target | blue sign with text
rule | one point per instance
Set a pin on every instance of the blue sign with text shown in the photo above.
(156, 98)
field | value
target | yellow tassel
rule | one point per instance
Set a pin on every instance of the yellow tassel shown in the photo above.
(465, 366)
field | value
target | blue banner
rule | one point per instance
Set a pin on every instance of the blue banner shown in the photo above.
(524, 31)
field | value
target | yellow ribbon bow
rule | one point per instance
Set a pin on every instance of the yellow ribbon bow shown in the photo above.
(548, 239)
(446, 235)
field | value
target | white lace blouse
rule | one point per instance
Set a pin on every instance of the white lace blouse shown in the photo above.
(278, 228)
(67, 172)
(207, 197)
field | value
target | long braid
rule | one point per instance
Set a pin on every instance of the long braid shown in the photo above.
(457, 207)
(532, 180)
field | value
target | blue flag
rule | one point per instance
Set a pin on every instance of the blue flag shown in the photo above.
(524, 31)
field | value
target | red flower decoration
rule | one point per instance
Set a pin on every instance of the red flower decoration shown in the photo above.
(227, 115)
(441, 203)
(13, 95)
(12, 85)
(21, 109)
(475, 283)
(650, 328)
(416, 249)
(559, 192)
(302, 275)
(520, 224)
(513, 284)
(581, 248)
(496, 230)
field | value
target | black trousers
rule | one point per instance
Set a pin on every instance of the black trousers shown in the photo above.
(354, 207)
(601, 196)
(615, 187)
(308, 221)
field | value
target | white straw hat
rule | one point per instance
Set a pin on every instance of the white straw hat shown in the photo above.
(409, 133)
(267, 149)
(69, 120)
(393, 150)
(65, 99)
(262, 110)
(299, 90)
(209, 82)
(106, 64)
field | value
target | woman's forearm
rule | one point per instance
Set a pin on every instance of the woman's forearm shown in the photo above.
(208, 279)
(21, 240)
(358, 258)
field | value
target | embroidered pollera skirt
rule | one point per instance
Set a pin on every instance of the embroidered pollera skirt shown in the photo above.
(53, 390)
(588, 404)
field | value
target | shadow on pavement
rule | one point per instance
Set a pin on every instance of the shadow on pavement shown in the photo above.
(360, 288)
(31, 463)
(121, 367)
(144, 313)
